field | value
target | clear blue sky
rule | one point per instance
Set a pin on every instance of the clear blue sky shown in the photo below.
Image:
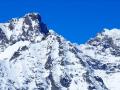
(76, 20)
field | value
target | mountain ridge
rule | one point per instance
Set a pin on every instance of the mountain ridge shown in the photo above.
(32, 57)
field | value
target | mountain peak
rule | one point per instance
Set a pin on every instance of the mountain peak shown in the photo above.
(106, 38)
(27, 27)
(113, 33)
(33, 16)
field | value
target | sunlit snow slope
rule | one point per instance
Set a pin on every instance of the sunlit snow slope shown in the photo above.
(32, 57)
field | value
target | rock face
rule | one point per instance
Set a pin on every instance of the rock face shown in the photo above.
(32, 57)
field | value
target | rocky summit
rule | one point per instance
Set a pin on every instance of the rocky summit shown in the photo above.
(32, 57)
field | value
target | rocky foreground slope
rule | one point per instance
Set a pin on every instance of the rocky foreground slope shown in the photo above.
(32, 57)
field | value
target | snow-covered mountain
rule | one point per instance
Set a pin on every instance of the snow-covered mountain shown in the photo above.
(32, 57)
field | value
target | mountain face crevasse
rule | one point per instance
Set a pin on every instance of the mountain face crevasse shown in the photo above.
(32, 57)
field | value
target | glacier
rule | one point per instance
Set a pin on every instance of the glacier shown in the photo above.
(34, 57)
